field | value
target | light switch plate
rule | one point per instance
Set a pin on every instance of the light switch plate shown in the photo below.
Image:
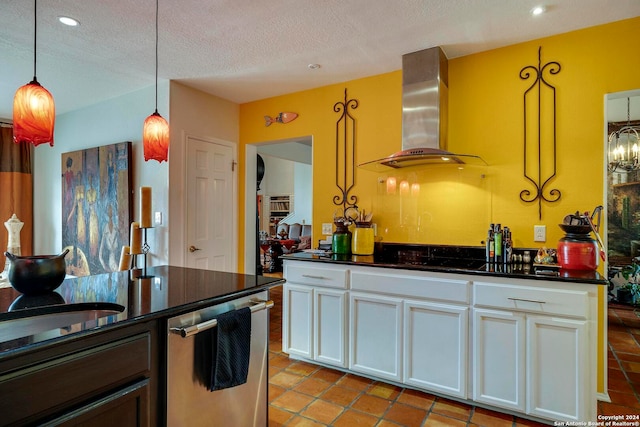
(327, 228)
(539, 233)
(158, 218)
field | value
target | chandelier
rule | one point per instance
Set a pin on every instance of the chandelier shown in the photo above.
(622, 148)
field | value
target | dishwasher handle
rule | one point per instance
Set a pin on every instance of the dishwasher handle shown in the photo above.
(188, 331)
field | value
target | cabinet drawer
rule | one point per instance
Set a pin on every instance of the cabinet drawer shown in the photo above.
(307, 274)
(72, 378)
(564, 302)
(411, 285)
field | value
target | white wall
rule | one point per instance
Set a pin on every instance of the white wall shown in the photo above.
(302, 188)
(191, 112)
(197, 114)
(286, 177)
(117, 120)
(278, 176)
(294, 150)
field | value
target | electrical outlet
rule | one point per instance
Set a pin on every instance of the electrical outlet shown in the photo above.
(327, 228)
(158, 218)
(539, 233)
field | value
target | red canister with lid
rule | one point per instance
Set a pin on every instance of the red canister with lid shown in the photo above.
(578, 252)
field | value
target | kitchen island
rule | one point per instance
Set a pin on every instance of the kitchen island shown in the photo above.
(503, 338)
(111, 368)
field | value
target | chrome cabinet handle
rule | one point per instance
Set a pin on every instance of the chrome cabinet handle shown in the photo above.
(187, 331)
(193, 248)
(526, 300)
(308, 276)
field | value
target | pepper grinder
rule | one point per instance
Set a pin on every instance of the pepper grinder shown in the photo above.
(13, 226)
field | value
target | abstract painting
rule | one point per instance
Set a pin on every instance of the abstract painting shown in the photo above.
(96, 207)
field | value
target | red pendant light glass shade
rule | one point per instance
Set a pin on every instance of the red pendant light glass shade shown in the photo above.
(155, 133)
(34, 112)
(34, 115)
(155, 138)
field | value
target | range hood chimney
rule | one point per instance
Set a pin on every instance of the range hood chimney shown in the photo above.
(424, 114)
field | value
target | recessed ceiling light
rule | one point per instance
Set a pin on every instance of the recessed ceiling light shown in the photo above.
(313, 66)
(538, 10)
(66, 20)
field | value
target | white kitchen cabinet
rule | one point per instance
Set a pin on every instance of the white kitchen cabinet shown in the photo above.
(297, 320)
(432, 332)
(527, 346)
(315, 312)
(375, 328)
(330, 326)
(557, 374)
(499, 358)
(534, 349)
(436, 346)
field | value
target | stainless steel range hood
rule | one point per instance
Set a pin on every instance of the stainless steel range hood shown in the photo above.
(424, 115)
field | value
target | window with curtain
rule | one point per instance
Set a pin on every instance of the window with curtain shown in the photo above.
(16, 190)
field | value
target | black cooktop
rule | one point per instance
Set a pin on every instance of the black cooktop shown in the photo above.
(425, 258)
(456, 257)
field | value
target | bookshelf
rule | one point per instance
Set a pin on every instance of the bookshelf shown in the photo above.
(279, 207)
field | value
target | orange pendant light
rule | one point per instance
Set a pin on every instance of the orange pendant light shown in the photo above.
(34, 112)
(155, 138)
(155, 134)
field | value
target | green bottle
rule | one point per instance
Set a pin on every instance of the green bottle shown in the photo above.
(497, 237)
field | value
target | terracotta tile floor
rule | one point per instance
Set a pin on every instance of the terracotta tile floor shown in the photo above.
(303, 394)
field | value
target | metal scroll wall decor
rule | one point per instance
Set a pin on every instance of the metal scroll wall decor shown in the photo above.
(539, 178)
(345, 154)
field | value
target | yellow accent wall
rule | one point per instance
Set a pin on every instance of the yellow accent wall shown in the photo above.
(485, 118)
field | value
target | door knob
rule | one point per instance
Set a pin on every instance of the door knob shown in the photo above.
(193, 248)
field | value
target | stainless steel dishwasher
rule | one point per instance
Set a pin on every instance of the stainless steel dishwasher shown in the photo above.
(189, 402)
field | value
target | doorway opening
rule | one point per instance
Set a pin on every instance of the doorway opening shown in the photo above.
(284, 198)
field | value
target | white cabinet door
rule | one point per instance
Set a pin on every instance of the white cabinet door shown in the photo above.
(557, 368)
(375, 328)
(330, 326)
(297, 320)
(499, 358)
(435, 347)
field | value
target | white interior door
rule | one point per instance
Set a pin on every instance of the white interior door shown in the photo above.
(210, 208)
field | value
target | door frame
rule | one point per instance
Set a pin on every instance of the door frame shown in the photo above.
(604, 232)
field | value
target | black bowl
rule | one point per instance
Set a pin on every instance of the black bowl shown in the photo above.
(575, 229)
(34, 301)
(36, 275)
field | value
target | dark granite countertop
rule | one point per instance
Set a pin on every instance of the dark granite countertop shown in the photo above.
(451, 259)
(171, 291)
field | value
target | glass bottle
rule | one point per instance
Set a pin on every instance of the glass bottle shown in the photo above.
(363, 239)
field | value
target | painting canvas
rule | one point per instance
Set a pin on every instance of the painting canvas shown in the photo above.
(96, 207)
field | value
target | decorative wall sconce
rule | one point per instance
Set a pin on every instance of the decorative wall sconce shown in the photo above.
(536, 177)
(345, 154)
(622, 149)
(283, 118)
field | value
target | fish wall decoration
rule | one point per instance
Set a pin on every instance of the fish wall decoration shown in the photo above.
(280, 118)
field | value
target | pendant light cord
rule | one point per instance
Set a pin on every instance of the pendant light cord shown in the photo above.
(35, 36)
(157, 1)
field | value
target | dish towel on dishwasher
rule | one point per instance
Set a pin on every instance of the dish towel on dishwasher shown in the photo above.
(231, 347)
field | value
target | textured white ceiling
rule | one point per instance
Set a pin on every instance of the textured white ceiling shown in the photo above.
(244, 50)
